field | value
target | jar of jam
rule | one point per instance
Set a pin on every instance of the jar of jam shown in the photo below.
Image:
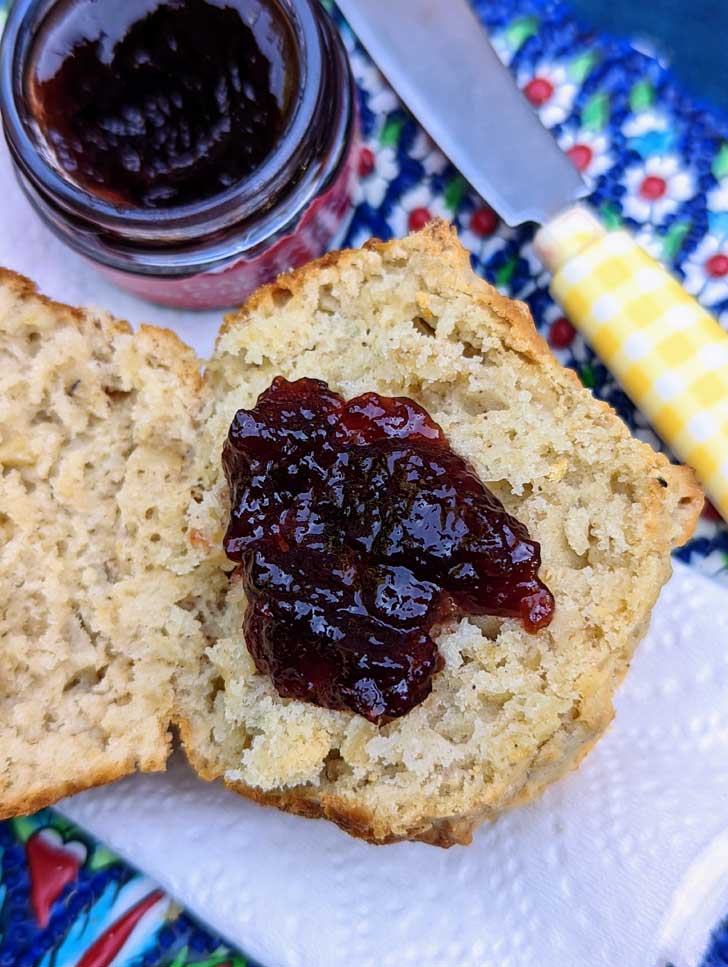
(191, 149)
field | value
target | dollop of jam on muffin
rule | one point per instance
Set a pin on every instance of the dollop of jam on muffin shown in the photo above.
(359, 534)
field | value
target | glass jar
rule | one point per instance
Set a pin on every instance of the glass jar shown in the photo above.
(212, 253)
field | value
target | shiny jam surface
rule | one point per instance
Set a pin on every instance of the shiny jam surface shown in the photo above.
(156, 103)
(359, 534)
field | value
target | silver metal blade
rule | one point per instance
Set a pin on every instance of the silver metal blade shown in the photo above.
(436, 55)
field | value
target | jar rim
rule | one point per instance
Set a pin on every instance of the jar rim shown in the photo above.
(206, 216)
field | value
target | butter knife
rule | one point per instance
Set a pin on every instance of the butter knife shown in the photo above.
(668, 353)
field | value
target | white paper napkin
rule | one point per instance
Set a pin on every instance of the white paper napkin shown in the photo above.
(586, 876)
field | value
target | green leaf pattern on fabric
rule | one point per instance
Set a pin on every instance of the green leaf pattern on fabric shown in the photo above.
(505, 273)
(641, 96)
(720, 163)
(454, 191)
(586, 374)
(674, 238)
(595, 115)
(581, 66)
(520, 30)
(391, 132)
(610, 216)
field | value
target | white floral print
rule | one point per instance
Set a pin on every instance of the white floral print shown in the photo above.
(550, 90)
(706, 271)
(482, 233)
(415, 209)
(649, 133)
(717, 197)
(424, 150)
(378, 166)
(380, 96)
(655, 188)
(502, 46)
(589, 152)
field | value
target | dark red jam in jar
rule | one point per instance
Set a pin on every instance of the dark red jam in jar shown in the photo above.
(359, 533)
(193, 149)
(161, 102)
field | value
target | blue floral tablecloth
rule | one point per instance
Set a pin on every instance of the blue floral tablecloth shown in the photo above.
(656, 162)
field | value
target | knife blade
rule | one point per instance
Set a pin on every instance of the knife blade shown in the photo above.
(436, 55)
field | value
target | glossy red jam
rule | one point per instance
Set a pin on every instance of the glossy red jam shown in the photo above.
(154, 103)
(359, 532)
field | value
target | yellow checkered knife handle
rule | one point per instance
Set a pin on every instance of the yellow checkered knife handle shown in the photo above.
(667, 352)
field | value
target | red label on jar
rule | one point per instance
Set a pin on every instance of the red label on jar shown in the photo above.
(322, 225)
